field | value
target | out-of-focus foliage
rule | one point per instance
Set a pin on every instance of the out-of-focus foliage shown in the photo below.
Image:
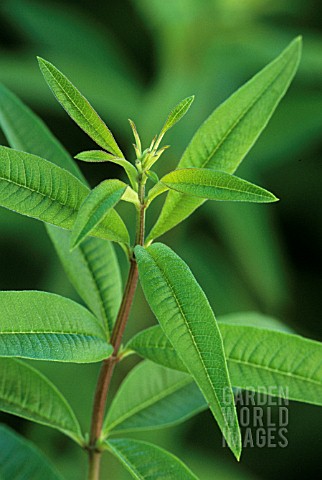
(138, 59)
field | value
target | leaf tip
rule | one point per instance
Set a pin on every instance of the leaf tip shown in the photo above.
(41, 61)
(298, 40)
(74, 242)
(238, 454)
(272, 198)
(296, 46)
(72, 247)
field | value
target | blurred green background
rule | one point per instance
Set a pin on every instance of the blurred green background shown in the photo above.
(136, 59)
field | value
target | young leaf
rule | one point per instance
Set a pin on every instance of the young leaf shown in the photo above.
(137, 146)
(215, 185)
(131, 196)
(101, 156)
(152, 176)
(256, 358)
(27, 393)
(177, 113)
(45, 326)
(78, 108)
(145, 461)
(95, 207)
(92, 267)
(187, 319)
(21, 460)
(228, 134)
(155, 191)
(152, 397)
(37, 188)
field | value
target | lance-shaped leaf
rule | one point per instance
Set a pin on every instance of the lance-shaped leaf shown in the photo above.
(215, 185)
(101, 156)
(153, 344)
(228, 134)
(177, 113)
(21, 460)
(27, 393)
(37, 188)
(254, 319)
(187, 319)
(155, 191)
(145, 461)
(45, 326)
(152, 396)
(94, 271)
(78, 108)
(95, 207)
(93, 266)
(288, 365)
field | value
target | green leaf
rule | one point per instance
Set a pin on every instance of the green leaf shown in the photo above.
(37, 188)
(27, 132)
(271, 358)
(27, 393)
(256, 358)
(137, 145)
(78, 108)
(94, 271)
(93, 266)
(151, 397)
(94, 208)
(101, 156)
(152, 176)
(187, 319)
(177, 113)
(21, 460)
(215, 185)
(145, 461)
(153, 344)
(131, 196)
(254, 319)
(228, 134)
(155, 191)
(45, 326)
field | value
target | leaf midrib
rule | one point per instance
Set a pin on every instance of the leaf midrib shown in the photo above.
(131, 467)
(273, 370)
(47, 332)
(244, 113)
(81, 112)
(244, 362)
(234, 190)
(92, 223)
(27, 187)
(194, 343)
(59, 396)
(97, 288)
(33, 413)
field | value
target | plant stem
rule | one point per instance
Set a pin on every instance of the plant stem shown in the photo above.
(107, 369)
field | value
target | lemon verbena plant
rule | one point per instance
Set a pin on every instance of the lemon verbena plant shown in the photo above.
(191, 360)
